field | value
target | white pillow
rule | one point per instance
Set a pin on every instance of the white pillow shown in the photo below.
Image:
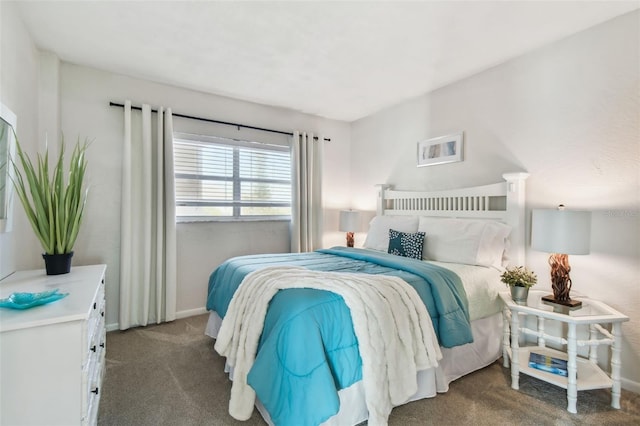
(468, 241)
(378, 235)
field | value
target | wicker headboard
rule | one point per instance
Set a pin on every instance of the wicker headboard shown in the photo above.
(503, 201)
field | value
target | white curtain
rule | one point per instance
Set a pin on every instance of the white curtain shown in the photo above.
(306, 203)
(148, 226)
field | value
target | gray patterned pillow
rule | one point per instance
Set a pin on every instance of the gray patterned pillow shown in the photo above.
(406, 244)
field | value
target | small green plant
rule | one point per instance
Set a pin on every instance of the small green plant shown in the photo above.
(518, 276)
(53, 206)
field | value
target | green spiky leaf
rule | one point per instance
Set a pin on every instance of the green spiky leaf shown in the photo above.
(54, 205)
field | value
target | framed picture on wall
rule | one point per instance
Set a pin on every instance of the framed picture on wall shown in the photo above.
(440, 150)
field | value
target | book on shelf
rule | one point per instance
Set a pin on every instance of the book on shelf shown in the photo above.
(548, 363)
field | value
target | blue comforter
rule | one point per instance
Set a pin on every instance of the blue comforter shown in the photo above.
(308, 350)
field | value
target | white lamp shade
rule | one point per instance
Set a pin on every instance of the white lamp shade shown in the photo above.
(561, 231)
(349, 220)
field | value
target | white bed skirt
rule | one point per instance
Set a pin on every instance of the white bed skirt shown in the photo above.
(456, 362)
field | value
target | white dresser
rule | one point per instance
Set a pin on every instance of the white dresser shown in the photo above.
(52, 357)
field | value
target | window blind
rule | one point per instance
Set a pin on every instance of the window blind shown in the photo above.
(231, 179)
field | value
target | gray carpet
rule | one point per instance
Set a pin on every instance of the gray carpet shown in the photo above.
(169, 374)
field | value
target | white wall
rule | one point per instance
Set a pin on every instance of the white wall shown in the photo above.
(84, 109)
(19, 92)
(569, 115)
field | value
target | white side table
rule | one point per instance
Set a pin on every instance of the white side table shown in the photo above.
(583, 374)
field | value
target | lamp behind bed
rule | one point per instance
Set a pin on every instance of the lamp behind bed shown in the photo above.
(349, 223)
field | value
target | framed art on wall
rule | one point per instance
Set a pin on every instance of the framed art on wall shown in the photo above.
(440, 150)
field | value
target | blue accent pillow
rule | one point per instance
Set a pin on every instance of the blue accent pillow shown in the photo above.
(406, 244)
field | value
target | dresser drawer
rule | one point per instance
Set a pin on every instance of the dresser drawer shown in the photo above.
(95, 325)
(92, 377)
(93, 367)
(95, 387)
(97, 307)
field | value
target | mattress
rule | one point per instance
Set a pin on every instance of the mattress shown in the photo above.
(482, 285)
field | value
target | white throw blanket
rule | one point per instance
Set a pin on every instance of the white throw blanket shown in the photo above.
(394, 331)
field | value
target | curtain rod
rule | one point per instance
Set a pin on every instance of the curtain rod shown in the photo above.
(209, 120)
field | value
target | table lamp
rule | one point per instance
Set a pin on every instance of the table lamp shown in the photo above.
(349, 221)
(561, 232)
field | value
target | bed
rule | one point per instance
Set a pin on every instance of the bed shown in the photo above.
(308, 367)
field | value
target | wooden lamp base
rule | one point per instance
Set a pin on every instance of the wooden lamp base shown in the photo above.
(571, 304)
(350, 239)
(560, 283)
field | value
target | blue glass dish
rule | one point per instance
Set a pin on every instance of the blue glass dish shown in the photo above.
(29, 300)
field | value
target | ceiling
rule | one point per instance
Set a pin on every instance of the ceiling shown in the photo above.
(340, 60)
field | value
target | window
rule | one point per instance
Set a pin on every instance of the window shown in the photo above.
(227, 179)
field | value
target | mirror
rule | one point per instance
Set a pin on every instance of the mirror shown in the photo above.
(7, 147)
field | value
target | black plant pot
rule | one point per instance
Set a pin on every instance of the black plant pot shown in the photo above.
(57, 264)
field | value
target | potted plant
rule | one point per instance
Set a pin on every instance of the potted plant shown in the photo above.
(54, 204)
(519, 279)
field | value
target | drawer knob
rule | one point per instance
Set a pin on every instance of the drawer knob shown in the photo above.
(95, 305)
(95, 390)
(93, 348)
(102, 345)
(102, 313)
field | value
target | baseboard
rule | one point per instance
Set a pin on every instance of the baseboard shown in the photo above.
(179, 315)
(191, 313)
(630, 385)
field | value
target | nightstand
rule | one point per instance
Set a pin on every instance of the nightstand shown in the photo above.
(599, 323)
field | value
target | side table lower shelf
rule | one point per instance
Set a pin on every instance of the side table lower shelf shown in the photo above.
(589, 375)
